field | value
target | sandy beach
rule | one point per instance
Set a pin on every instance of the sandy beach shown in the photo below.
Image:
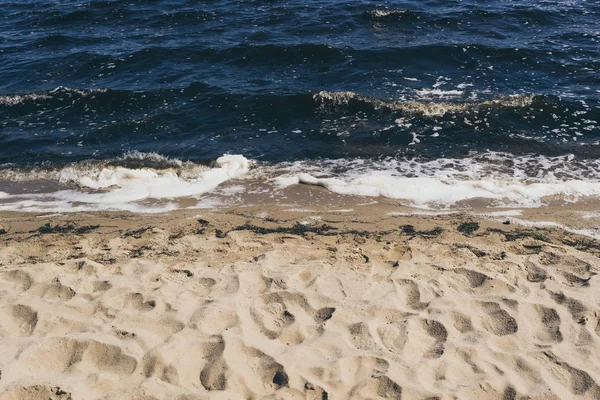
(296, 200)
(274, 302)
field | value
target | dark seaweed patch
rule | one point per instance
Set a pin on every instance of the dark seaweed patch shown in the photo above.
(47, 228)
(430, 234)
(85, 229)
(515, 235)
(139, 251)
(582, 244)
(468, 227)
(297, 229)
(137, 233)
(220, 234)
(408, 230)
(68, 228)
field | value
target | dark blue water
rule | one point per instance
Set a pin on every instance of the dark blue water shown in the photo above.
(194, 80)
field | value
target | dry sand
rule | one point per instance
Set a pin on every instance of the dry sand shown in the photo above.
(264, 303)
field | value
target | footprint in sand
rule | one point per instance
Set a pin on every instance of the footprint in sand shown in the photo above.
(496, 320)
(253, 283)
(415, 338)
(214, 374)
(359, 337)
(351, 372)
(136, 302)
(213, 319)
(461, 322)
(426, 338)
(84, 267)
(473, 279)
(207, 282)
(376, 388)
(543, 323)
(579, 382)
(223, 286)
(409, 289)
(53, 292)
(288, 317)
(574, 306)
(153, 365)
(393, 337)
(203, 286)
(323, 314)
(153, 330)
(56, 355)
(17, 279)
(178, 276)
(261, 373)
(19, 320)
(101, 286)
(484, 390)
(479, 281)
(271, 317)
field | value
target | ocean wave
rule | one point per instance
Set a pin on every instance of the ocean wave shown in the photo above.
(427, 192)
(429, 109)
(16, 99)
(381, 14)
(110, 185)
(92, 170)
(149, 182)
(503, 179)
(515, 16)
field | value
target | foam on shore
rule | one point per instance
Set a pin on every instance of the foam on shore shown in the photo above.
(120, 188)
(141, 182)
(426, 191)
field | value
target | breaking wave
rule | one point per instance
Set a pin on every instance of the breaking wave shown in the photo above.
(136, 182)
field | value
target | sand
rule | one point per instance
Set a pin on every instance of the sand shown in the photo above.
(267, 303)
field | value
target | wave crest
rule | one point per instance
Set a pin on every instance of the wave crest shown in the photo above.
(428, 109)
(16, 99)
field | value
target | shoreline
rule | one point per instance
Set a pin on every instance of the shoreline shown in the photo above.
(276, 302)
(259, 199)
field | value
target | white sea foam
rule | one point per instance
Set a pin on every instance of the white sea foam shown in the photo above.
(503, 213)
(425, 191)
(153, 183)
(121, 188)
(504, 180)
(411, 213)
(13, 100)
(438, 93)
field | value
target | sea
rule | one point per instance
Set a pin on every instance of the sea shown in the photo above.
(137, 104)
